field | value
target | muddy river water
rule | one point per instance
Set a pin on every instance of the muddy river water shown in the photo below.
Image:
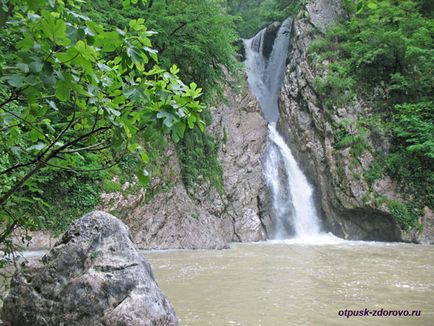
(289, 283)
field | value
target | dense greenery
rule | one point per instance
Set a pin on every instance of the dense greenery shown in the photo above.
(195, 34)
(78, 97)
(200, 36)
(69, 74)
(198, 154)
(252, 15)
(383, 53)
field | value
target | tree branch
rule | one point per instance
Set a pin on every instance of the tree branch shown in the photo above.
(40, 162)
(17, 166)
(87, 148)
(11, 98)
(9, 127)
(23, 120)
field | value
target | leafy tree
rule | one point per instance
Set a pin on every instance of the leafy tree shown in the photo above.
(77, 96)
(195, 34)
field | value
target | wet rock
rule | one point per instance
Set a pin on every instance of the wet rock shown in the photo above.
(174, 220)
(426, 235)
(94, 275)
(269, 36)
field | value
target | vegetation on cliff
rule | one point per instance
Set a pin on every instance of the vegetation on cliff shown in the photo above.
(382, 53)
(76, 99)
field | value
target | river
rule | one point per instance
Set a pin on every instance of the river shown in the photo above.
(289, 283)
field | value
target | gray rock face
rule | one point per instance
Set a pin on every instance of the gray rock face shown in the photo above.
(344, 195)
(324, 13)
(173, 219)
(205, 219)
(94, 275)
(243, 131)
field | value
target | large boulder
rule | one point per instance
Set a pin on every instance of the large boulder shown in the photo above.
(94, 275)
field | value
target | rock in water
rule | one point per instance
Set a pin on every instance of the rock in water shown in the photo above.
(94, 275)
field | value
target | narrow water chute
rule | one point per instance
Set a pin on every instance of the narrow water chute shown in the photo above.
(293, 209)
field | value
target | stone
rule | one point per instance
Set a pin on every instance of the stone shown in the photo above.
(174, 220)
(427, 221)
(94, 275)
(324, 13)
(245, 128)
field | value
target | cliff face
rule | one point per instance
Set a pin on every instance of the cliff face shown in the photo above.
(350, 210)
(176, 218)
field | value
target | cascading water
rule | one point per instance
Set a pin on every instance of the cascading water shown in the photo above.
(293, 211)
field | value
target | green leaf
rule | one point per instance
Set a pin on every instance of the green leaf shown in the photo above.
(63, 90)
(191, 119)
(17, 81)
(143, 176)
(168, 118)
(174, 70)
(67, 56)
(372, 5)
(54, 29)
(23, 67)
(138, 24)
(36, 66)
(36, 147)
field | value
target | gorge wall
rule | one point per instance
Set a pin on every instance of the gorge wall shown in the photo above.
(204, 218)
(349, 208)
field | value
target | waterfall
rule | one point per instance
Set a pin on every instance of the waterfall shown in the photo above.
(293, 211)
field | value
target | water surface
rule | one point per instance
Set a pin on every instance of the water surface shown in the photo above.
(289, 283)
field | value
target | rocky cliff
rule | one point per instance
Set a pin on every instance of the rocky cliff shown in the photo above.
(176, 218)
(349, 203)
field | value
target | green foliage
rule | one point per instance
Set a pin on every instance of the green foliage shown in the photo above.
(350, 135)
(77, 97)
(413, 125)
(73, 196)
(386, 51)
(376, 171)
(338, 86)
(383, 53)
(406, 214)
(111, 186)
(195, 34)
(252, 15)
(198, 153)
